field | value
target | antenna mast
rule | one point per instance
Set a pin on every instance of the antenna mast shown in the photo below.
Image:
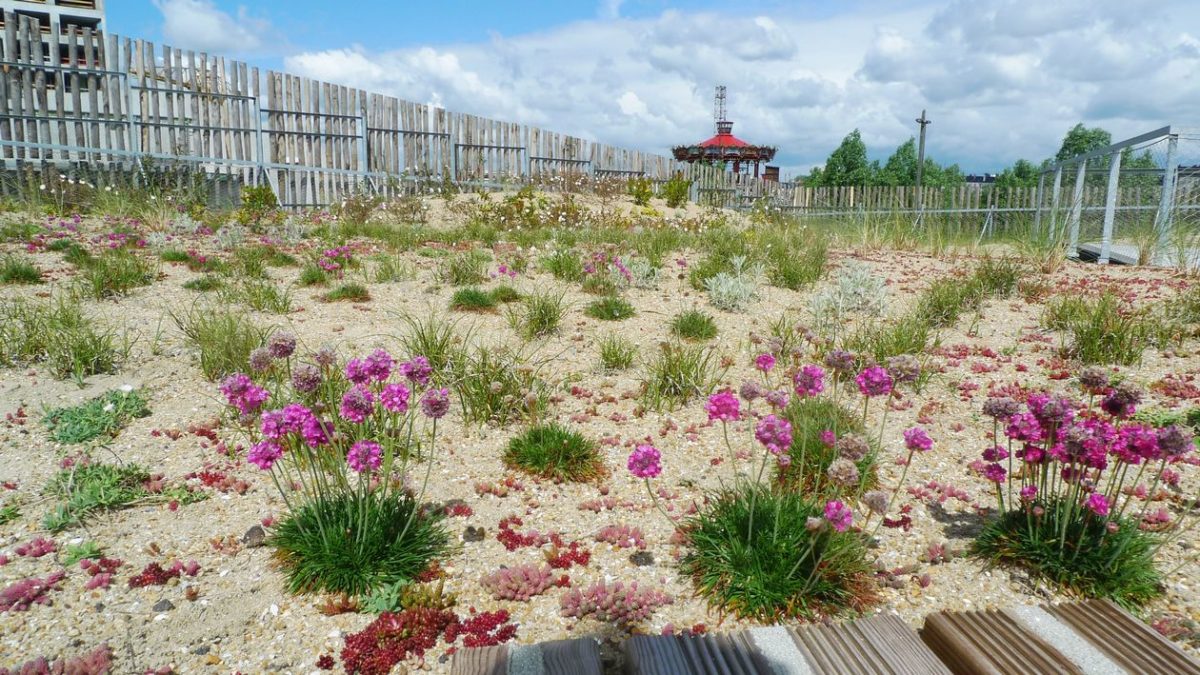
(723, 125)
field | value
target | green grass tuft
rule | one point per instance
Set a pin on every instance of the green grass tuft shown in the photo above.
(497, 385)
(539, 315)
(616, 352)
(323, 551)
(564, 265)
(679, 374)
(694, 324)
(115, 273)
(203, 284)
(223, 337)
(18, 270)
(59, 334)
(104, 415)
(555, 452)
(811, 458)
(350, 292)
(90, 488)
(473, 300)
(505, 294)
(463, 269)
(609, 308)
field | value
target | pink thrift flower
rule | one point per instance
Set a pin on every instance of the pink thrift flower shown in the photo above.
(394, 398)
(435, 403)
(417, 370)
(241, 393)
(364, 456)
(1097, 504)
(828, 438)
(357, 404)
(644, 462)
(994, 472)
(315, 432)
(765, 362)
(809, 381)
(357, 371)
(723, 406)
(874, 381)
(775, 433)
(839, 515)
(917, 440)
(264, 454)
(379, 365)
(1028, 493)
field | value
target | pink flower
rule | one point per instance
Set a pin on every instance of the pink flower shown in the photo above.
(1096, 503)
(358, 404)
(394, 398)
(809, 381)
(644, 462)
(1028, 493)
(364, 456)
(778, 398)
(379, 365)
(435, 403)
(315, 432)
(723, 406)
(264, 454)
(917, 440)
(417, 370)
(994, 472)
(839, 515)
(995, 454)
(775, 433)
(828, 438)
(241, 393)
(874, 381)
(357, 371)
(764, 362)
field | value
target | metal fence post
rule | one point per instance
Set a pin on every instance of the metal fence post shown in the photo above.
(1110, 207)
(1166, 202)
(1076, 210)
(362, 148)
(1055, 201)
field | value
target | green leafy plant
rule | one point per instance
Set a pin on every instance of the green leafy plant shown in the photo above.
(203, 284)
(434, 338)
(497, 385)
(555, 452)
(609, 308)
(616, 352)
(1100, 329)
(735, 289)
(463, 269)
(259, 294)
(564, 265)
(694, 324)
(89, 488)
(312, 275)
(104, 415)
(88, 550)
(675, 191)
(794, 267)
(113, 273)
(505, 294)
(641, 189)
(810, 417)
(540, 314)
(259, 206)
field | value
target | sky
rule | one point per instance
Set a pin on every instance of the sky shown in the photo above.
(1001, 80)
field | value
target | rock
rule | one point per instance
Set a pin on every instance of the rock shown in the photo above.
(642, 558)
(473, 533)
(164, 605)
(254, 537)
(213, 660)
(201, 650)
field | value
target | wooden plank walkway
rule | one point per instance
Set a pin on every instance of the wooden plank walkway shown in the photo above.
(1094, 636)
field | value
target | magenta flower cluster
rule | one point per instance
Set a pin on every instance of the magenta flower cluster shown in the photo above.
(723, 406)
(874, 381)
(644, 462)
(809, 381)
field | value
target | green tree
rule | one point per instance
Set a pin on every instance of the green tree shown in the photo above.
(1023, 173)
(847, 165)
(1081, 140)
(901, 167)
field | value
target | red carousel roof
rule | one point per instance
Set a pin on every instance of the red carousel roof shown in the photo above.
(724, 141)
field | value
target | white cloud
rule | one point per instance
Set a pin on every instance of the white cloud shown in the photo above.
(201, 25)
(1002, 80)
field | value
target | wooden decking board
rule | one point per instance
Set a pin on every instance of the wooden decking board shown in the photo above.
(572, 657)
(481, 661)
(910, 655)
(1123, 638)
(990, 642)
(651, 655)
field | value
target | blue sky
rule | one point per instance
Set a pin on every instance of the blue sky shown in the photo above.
(1001, 79)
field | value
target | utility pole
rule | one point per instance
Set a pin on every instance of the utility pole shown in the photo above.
(921, 154)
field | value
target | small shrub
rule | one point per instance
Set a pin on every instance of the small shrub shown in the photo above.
(643, 274)
(88, 550)
(641, 189)
(855, 290)
(350, 292)
(312, 275)
(113, 273)
(694, 324)
(464, 269)
(259, 206)
(781, 569)
(616, 352)
(611, 308)
(260, 295)
(223, 337)
(104, 415)
(678, 374)
(796, 267)
(18, 270)
(879, 342)
(540, 316)
(555, 452)
(203, 284)
(998, 277)
(317, 557)
(943, 302)
(675, 191)
(564, 265)
(473, 300)
(59, 334)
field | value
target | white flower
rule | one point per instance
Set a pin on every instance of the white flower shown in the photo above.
(108, 407)
(127, 388)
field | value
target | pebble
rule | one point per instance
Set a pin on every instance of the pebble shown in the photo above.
(642, 558)
(254, 537)
(473, 534)
(163, 605)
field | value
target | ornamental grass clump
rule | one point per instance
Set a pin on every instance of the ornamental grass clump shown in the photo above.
(344, 439)
(1070, 487)
(555, 452)
(765, 550)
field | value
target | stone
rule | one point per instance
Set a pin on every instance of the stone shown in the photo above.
(473, 533)
(164, 605)
(201, 650)
(642, 558)
(254, 537)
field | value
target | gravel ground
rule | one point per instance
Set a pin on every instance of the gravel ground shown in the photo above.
(235, 616)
